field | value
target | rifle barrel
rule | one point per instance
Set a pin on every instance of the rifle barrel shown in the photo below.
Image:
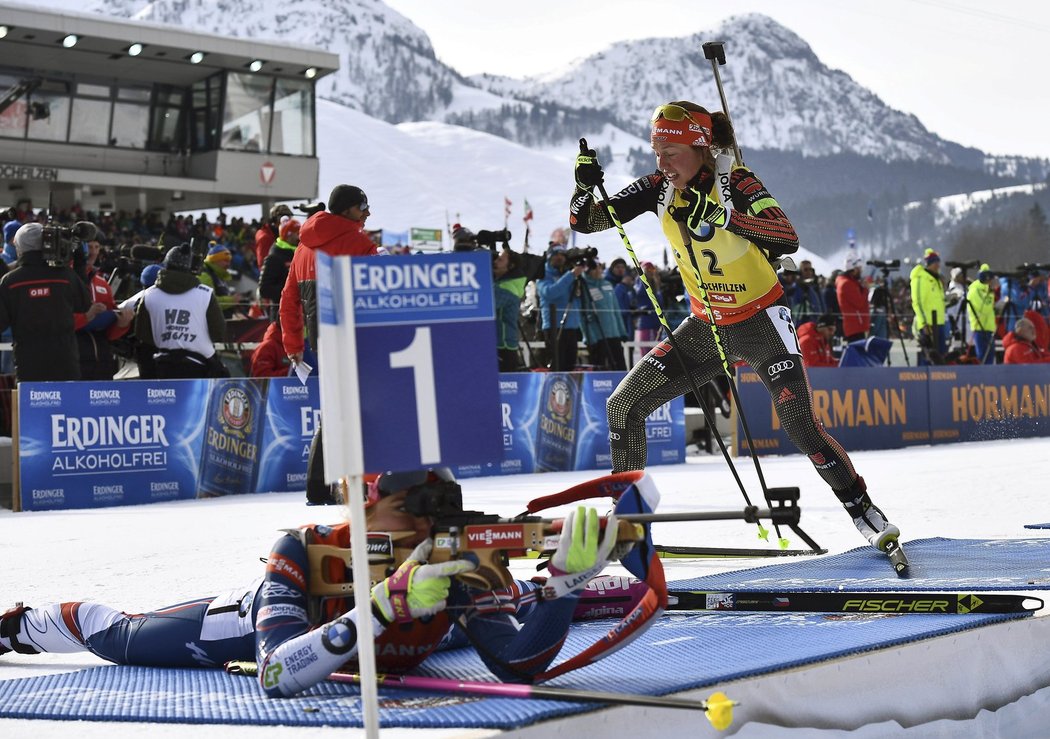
(749, 513)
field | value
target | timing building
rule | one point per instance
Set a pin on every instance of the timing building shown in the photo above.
(116, 115)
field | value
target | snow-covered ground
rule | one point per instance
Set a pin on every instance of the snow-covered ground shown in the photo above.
(143, 557)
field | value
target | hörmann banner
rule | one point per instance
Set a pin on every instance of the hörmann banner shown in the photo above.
(890, 407)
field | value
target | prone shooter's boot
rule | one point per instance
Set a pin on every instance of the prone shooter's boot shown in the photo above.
(10, 627)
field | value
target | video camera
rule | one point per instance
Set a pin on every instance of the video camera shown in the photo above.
(309, 209)
(886, 265)
(59, 242)
(972, 264)
(580, 255)
(1032, 268)
(671, 284)
(491, 238)
(126, 264)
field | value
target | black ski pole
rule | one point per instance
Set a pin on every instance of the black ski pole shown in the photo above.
(715, 52)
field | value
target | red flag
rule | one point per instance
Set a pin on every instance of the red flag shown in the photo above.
(528, 212)
(506, 206)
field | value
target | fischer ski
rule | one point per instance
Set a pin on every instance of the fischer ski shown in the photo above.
(855, 602)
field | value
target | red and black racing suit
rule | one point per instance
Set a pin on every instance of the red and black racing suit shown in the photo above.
(745, 298)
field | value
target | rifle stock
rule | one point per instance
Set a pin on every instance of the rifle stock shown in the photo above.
(488, 540)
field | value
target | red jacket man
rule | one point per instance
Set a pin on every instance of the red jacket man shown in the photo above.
(853, 302)
(1021, 347)
(338, 232)
(814, 339)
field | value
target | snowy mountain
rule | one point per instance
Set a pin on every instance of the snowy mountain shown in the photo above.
(780, 94)
(830, 150)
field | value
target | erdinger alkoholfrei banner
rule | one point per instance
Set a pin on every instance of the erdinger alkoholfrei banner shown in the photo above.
(91, 445)
(556, 421)
(87, 445)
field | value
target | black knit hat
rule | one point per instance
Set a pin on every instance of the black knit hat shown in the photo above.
(179, 258)
(346, 196)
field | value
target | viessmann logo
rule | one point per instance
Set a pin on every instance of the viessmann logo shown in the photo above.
(494, 536)
(776, 369)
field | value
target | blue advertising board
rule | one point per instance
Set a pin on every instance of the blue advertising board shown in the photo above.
(426, 358)
(86, 445)
(889, 408)
(134, 441)
(862, 407)
(556, 421)
(293, 411)
(982, 403)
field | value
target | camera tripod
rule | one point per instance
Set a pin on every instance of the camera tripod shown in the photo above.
(555, 349)
(581, 292)
(891, 305)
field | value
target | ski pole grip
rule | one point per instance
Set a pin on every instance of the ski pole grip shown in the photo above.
(715, 50)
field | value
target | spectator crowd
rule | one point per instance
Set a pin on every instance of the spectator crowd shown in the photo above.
(547, 307)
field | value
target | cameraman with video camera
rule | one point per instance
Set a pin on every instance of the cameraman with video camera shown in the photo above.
(1021, 290)
(559, 292)
(39, 299)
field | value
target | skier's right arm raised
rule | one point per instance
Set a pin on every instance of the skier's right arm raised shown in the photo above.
(587, 215)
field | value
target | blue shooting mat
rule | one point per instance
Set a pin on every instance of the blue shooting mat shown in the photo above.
(936, 564)
(696, 650)
(1037, 525)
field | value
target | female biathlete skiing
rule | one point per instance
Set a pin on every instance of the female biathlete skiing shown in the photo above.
(731, 249)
